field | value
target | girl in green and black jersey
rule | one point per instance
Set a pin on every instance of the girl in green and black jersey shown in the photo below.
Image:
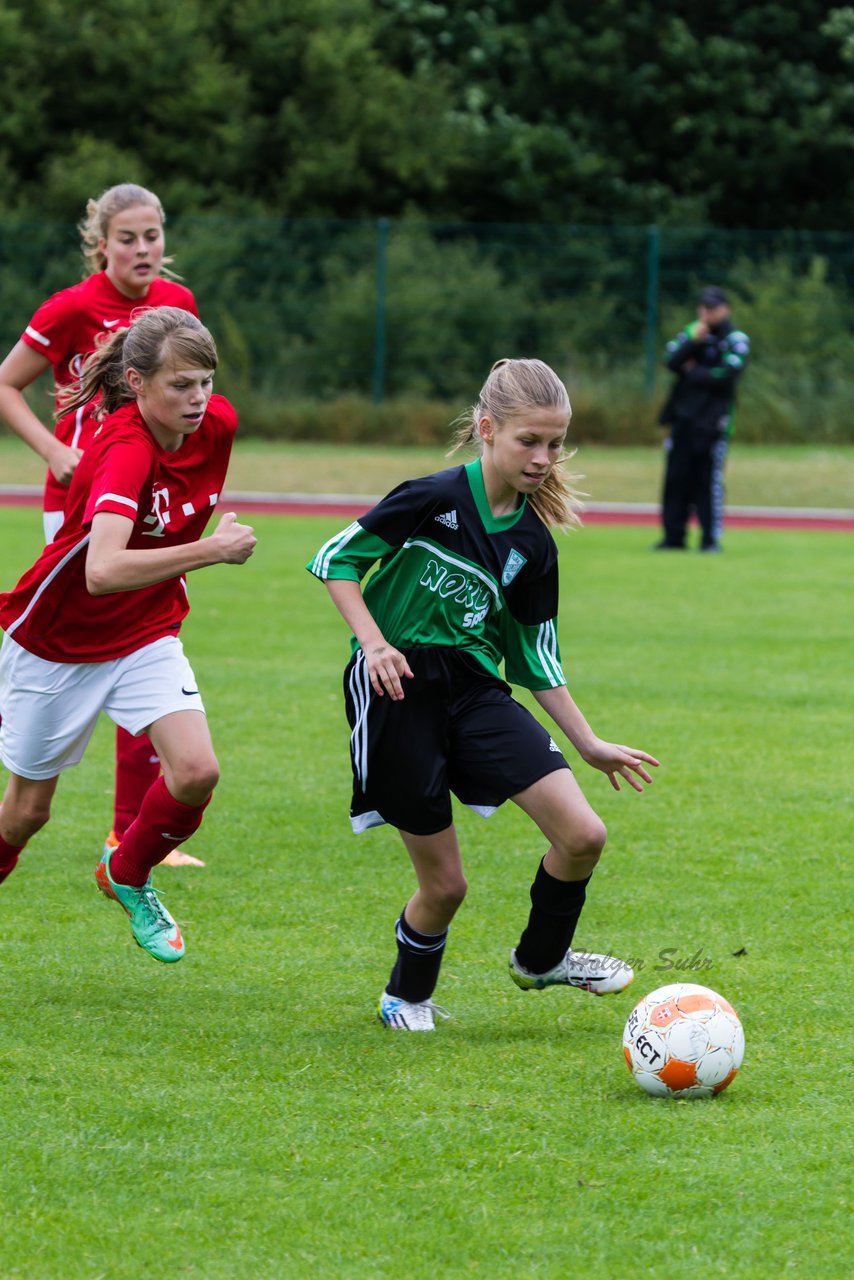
(466, 581)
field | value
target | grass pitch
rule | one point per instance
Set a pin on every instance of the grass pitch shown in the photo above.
(242, 1116)
(757, 475)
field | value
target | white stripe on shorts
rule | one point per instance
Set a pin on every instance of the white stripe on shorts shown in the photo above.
(360, 692)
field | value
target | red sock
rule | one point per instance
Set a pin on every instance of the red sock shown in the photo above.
(8, 858)
(162, 823)
(137, 768)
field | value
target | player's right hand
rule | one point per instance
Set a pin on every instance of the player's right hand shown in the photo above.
(62, 462)
(385, 667)
(235, 542)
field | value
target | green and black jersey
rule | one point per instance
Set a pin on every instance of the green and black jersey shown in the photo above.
(451, 573)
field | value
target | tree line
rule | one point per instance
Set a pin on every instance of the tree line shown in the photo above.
(546, 111)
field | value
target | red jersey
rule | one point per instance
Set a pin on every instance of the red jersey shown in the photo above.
(169, 497)
(64, 330)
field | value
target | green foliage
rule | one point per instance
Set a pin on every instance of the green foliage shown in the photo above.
(805, 324)
(447, 310)
(503, 111)
(295, 306)
(243, 1115)
(223, 105)
(521, 153)
(667, 113)
(346, 419)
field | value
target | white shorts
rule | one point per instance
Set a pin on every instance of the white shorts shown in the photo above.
(49, 709)
(52, 521)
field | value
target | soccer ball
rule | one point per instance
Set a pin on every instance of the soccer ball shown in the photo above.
(683, 1041)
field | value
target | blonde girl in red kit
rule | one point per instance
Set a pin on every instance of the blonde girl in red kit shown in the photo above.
(123, 251)
(93, 625)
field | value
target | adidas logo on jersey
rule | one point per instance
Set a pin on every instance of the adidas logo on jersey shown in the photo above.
(449, 520)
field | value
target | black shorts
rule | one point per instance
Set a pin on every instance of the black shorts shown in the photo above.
(457, 730)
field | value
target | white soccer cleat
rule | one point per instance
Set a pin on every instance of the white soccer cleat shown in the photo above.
(598, 974)
(404, 1015)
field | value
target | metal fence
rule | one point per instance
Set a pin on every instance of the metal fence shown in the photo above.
(307, 308)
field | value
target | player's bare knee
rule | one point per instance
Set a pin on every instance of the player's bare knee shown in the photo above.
(448, 894)
(595, 835)
(194, 781)
(582, 845)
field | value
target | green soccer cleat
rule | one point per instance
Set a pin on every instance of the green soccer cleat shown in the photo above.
(153, 927)
(600, 975)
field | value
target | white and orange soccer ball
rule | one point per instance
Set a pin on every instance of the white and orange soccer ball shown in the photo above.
(683, 1041)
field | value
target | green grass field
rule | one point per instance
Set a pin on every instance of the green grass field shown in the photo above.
(243, 1116)
(757, 475)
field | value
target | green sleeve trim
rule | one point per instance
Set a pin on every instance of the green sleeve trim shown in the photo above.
(349, 554)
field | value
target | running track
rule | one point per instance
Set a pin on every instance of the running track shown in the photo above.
(350, 506)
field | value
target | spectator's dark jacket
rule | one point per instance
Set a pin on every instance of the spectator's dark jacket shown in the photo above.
(702, 397)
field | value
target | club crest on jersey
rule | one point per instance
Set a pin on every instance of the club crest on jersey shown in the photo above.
(511, 568)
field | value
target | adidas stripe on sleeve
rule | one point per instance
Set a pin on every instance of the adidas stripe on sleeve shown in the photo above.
(349, 554)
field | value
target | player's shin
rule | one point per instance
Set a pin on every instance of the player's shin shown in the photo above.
(555, 908)
(419, 958)
(137, 769)
(162, 823)
(9, 854)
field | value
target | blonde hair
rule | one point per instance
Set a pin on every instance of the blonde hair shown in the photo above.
(153, 337)
(100, 213)
(512, 387)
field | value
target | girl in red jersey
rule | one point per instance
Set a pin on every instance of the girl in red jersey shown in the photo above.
(123, 248)
(93, 625)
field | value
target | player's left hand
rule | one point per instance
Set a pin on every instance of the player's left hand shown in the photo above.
(621, 762)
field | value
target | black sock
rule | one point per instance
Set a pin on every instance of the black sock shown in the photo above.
(419, 957)
(555, 908)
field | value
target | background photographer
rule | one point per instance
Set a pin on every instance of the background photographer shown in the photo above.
(708, 357)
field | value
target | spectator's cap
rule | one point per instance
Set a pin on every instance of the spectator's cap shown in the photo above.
(713, 296)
